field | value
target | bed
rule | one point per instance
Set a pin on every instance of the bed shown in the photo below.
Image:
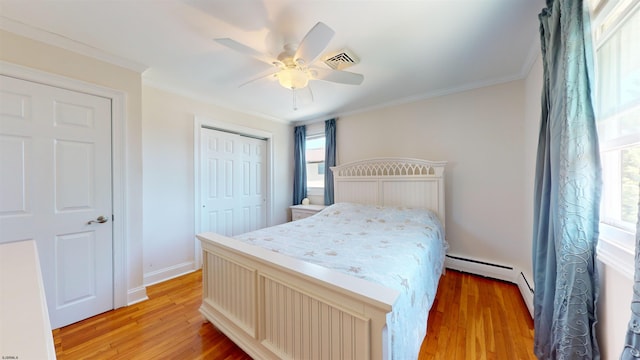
(282, 300)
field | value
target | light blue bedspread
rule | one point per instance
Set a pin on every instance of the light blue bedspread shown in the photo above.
(400, 248)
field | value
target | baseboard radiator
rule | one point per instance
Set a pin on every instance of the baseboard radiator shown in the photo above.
(494, 271)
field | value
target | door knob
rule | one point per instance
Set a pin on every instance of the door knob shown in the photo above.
(101, 219)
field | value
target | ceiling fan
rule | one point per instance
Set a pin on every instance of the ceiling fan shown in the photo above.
(293, 67)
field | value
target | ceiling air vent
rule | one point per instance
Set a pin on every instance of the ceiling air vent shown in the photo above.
(341, 60)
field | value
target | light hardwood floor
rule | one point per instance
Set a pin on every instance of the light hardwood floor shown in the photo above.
(472, 318)
(477, 318)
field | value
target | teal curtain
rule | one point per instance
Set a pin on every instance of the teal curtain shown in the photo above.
(567, 189)
(329, 159)
(632, 341)
(299, 165)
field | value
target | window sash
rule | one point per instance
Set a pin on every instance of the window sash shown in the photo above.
(313, 182)
(618, 114)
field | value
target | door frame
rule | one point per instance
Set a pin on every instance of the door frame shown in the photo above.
(198, 123)
(118, 161)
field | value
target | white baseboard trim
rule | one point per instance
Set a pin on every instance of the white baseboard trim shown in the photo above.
(136, 295)
(526, 290)
(482, 268)
(168, 273)
(496, 271)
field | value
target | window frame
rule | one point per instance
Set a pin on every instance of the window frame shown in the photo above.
(314, 190)
(616, 245)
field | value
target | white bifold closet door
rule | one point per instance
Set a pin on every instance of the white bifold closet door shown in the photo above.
(233, 182)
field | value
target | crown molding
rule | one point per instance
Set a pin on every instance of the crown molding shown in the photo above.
(50, 38)
(205, 99)
(532, 56)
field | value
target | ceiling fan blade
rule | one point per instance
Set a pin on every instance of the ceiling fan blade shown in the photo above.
(262, 75)
(244, 49)
(313, 44)
(342, 77)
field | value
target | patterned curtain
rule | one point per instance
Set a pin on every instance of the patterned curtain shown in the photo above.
(632, 343)
(567, 189)
(329, 159)
(299, 165)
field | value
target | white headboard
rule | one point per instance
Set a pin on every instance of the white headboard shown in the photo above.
(392, 182)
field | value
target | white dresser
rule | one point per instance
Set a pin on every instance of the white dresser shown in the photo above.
(25, 330)
(302, 211)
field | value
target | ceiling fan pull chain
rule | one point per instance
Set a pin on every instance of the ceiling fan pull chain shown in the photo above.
(293, 93)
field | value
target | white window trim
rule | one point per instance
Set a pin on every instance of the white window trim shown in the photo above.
(616, 246)
(616, 249)
(315, 132)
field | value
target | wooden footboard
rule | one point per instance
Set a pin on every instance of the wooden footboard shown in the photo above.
(277, 307)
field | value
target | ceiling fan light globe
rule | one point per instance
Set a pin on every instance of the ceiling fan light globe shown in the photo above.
(293, 78)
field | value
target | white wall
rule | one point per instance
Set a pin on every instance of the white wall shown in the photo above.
(614, 311)
(480, 133)
(168, 181)
(532, 113)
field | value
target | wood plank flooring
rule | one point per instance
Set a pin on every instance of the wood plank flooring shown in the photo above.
(477, 318)
(472, 318)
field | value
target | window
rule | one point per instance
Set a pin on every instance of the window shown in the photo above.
(616, 25)
(315, 163)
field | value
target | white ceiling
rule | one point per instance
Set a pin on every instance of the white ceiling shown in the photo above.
(409, 50)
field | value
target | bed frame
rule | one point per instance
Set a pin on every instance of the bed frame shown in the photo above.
(278, 307)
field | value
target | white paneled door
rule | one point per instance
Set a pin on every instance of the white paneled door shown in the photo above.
(233, 180)
(55, 187)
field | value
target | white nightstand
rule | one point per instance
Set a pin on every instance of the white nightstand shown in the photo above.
(302, 211)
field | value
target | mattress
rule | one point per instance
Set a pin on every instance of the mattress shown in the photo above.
(400, 248)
